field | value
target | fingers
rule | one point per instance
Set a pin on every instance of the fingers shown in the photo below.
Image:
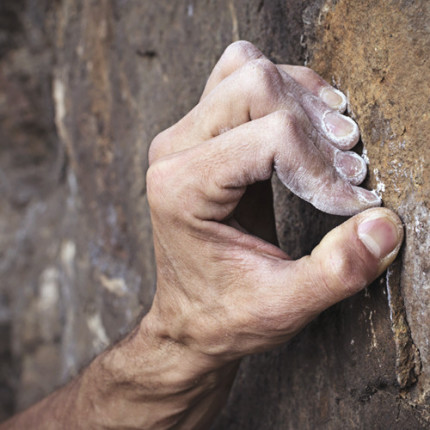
(348, 259)
(349, 165)
(316, 85)
(239, 53)
(234, 57)
(319, 99)
(340, 130)
(211, 178)
(242, 90)
(255, 90)
(245, 86)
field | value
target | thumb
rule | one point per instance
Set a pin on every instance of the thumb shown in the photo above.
(348, 259)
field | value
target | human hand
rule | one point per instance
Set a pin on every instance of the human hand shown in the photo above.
(222, 292)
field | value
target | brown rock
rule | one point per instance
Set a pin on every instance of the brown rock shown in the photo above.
(125, 70)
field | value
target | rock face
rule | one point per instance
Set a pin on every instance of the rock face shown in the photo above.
(31, 162)
(86, 85)
(382, 64)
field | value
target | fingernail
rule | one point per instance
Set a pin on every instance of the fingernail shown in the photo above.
(379, 234)
(339, 125)
(333, 98)
(350, 166)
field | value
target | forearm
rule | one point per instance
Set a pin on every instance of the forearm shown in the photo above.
(145, 382)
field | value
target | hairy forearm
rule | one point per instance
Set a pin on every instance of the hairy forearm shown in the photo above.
(147, 381)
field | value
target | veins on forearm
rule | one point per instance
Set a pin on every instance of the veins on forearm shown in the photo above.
(143, 382)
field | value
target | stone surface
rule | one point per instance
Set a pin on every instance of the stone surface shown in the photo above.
(31, 163)
(382, 64)
(85, 86)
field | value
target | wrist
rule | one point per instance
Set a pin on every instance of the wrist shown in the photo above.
(149, 380)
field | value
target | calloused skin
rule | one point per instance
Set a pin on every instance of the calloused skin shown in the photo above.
(224, 289)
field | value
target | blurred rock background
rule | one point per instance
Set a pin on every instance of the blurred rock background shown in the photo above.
(84, 87)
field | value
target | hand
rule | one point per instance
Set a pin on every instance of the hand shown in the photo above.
(221, 291)
(223, 288)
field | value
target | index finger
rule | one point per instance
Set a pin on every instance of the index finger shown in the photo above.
(239, 53)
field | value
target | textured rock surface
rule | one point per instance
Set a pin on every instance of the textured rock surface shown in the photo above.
(30, 173)
(382, 63)
(85, 85)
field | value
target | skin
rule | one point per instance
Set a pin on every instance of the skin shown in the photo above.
(224, 289)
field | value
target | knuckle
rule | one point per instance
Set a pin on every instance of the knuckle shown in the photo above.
(284, 118)
(261, 80)
(159, 146)
(265, 71)
(241, 50)
(284, 122)
(155, 148)
(157, 182)
(236, 55)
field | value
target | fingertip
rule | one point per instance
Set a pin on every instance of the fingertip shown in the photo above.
(333, 98)
(381, 232)
(366, 199)
(354, 254)
(350, 166)
(341, 130)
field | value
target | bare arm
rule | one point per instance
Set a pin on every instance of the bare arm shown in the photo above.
(145, 382)
(223, 293)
